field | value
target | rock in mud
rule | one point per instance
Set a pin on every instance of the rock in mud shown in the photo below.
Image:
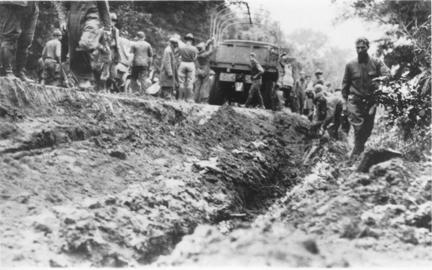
(374, 156)
(118, 154)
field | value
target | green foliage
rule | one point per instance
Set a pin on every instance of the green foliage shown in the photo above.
(407, 49)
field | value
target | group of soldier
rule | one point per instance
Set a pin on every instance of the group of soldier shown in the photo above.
(97, 54)
(354, 105)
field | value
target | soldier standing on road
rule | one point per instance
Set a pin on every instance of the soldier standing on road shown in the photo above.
(167, 77)
(51, 56)
(89, 29)
(17, 26)
(202, 84)
(186, 70)
(142, 60)
(300, 87)
(358, 89)
(286, 81)
(256, 75)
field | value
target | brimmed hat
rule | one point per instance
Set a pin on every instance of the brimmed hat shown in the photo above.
(189, 37)
(57, 33)
(173, 40)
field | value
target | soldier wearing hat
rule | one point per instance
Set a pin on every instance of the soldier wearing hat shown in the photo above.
(142, 60)
(17, 26)
(256, 77)
(202, 84)
(51, 56)
(186, 70)
(319, 79)
(167, 76)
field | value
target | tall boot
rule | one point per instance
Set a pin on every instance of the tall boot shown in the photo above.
(6, 56)
(21, 59)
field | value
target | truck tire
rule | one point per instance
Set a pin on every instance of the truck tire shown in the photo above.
(216, 92)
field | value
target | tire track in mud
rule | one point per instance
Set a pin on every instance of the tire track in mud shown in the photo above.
(198, 164)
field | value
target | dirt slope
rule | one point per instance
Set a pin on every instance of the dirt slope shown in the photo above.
(335, 217)
(108, 180)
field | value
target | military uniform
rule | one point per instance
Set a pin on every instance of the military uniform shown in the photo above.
(255, 89)
(186, 71)
(17, 26)
(167, 79)
(51, 56)
(358, 88)
(86, 24)
(202, 83)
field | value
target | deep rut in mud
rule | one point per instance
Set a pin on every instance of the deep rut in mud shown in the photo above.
(108, 180)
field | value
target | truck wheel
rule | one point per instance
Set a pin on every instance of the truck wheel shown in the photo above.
(216, 93)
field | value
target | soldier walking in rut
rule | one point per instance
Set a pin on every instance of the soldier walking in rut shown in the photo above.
(358, 87)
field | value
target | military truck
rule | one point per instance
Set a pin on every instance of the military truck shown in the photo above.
(231, 64)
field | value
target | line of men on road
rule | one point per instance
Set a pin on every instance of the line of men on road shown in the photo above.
(94, 53)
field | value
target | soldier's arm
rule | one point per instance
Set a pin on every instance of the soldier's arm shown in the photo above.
(103, 8)
(260, 69)
(61, 13)
(346, 82)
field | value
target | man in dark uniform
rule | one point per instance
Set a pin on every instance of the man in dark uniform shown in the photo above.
(256, 76)
(358, 87)
(17, 26)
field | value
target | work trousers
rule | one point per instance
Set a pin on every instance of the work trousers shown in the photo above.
(85, 34)
(361, 117)
(255, 91)
(186, 76)
(51, 72)
(17, 27)
(202, 88)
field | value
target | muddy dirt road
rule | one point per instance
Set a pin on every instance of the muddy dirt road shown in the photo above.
(108, 180)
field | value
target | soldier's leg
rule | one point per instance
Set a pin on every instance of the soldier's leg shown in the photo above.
(181, 75)
(10, 30)
(251, 94)
(28, 26)
(345, 125)
(357, 116)
(197, 89)
(190, 82)
(259, 95)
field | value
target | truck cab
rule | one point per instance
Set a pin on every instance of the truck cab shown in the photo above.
(231, 65)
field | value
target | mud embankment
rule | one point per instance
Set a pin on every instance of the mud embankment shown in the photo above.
(109, 180)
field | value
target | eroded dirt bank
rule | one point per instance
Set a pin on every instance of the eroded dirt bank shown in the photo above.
(108, 180)
(335, 217)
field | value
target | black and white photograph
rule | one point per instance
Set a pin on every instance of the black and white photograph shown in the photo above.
(215, 134)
